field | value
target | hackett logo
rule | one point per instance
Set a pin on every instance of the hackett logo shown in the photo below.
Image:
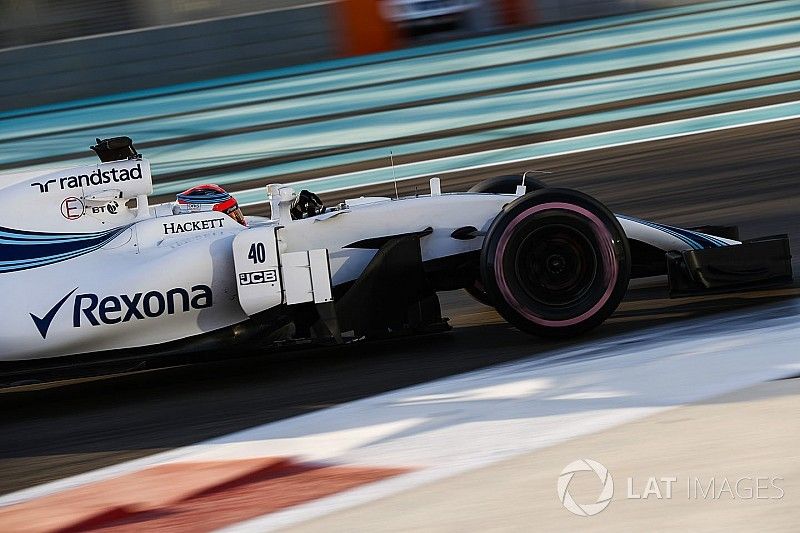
(183, 227)
(97, 177)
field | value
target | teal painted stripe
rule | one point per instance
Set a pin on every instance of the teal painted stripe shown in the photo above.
(495, 74)
(305, 140)
(231, 146)
(528, 152)
(417, 52)
(402, 92)
(451, 115)
(306, 165)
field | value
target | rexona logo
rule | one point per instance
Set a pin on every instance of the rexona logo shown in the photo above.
(92, 310)
(184, 227)
(98, 177)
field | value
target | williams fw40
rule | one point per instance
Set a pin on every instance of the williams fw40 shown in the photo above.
(88, 266)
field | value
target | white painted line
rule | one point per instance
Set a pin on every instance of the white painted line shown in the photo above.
(603, 146)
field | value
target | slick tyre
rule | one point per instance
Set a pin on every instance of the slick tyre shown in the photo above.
(506, 184)
(555, 263)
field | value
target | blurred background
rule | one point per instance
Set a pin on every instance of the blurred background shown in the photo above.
(70, 49)
(683, 112)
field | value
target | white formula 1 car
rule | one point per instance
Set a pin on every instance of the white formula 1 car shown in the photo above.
(88, 266)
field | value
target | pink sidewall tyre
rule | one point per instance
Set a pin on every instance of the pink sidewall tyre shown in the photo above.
(555, 263)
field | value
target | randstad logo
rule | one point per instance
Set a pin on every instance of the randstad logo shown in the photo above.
(606, 492)
(99, 176)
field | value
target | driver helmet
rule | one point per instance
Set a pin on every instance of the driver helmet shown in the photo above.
(210, 197)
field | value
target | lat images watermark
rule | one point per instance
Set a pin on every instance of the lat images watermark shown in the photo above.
(697, 488)
(606, 492)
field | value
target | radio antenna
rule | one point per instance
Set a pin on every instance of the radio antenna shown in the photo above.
(394, 178)
(525, 175)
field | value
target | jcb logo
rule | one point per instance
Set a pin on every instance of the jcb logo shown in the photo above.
(254, 278)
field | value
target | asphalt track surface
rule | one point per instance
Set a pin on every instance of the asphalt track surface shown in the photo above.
(746, 176)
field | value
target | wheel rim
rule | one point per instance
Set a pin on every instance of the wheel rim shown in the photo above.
(585, 304)
(556, 265)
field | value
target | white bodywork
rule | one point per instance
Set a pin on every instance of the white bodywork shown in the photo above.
(147, 276)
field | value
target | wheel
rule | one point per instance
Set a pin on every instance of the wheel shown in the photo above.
(507, 185)
(499, 185)
(555, 263)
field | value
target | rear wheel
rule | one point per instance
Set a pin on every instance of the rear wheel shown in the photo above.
(555, 263)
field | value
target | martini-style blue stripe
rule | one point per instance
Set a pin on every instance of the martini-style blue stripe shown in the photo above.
(702, 238)
(26, 265)
(693, 238)
(20, 250)
(678, 236)
(33, 235)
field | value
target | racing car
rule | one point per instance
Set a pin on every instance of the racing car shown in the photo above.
(89, 266)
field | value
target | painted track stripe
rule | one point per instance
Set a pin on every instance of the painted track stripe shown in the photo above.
(51, 149)
(317, 163)
(650, 55)
(364, 84)
(306, 165)
(724, 6)
(188, 496)
(537, 151)
(234, 134)
(196, 159)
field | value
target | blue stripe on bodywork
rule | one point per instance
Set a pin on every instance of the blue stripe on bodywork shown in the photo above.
(22, 250)
(696, 240)
(707, 241)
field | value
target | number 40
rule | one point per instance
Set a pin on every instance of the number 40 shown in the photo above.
(257, 253)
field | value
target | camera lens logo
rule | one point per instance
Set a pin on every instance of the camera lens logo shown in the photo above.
(588, 509)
